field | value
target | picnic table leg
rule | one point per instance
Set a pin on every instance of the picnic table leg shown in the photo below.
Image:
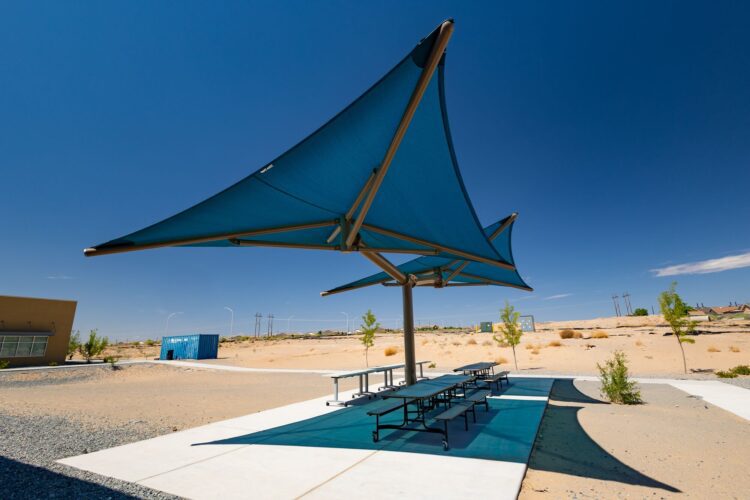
(421, 370)
(367, 385)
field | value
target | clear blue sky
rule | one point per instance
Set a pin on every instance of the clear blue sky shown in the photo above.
(620, 133)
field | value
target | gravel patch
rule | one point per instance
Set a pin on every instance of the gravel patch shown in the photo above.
(743, 382)
(31, 444)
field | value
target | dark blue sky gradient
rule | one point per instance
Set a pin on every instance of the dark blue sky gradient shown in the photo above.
(620, 133)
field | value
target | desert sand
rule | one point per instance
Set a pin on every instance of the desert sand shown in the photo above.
(719, 345)
(673, 445)
(162, 396)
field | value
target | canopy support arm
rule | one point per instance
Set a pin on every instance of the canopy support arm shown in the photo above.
(446, 30)
(349, 214)
(457, 271)
(354, 287)
(385, 265)
(442, 248)
(91, 252)
(503, 226)
(489, 281)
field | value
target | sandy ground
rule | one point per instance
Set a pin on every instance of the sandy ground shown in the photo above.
(718, 346)
(168, 397)
(674, 445)
(585, 449)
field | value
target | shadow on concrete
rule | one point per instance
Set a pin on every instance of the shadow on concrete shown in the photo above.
(23, 481)
(564, 446)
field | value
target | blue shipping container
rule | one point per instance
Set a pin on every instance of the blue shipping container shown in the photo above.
(198, 346)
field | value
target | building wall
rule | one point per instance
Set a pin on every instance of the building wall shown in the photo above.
(47, 317)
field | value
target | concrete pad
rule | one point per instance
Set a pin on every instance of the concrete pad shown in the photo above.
(258, 472)
(389, 474)
(728, 397)
(136, 461)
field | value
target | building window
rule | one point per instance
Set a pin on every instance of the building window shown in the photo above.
(22, 346)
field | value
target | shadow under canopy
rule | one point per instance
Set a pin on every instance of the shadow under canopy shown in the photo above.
(563, 446)
(331, 191)
(506, 432)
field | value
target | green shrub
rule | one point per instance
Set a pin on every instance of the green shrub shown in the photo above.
(74, 343)
(53, 363)
(639, 311)
(616, 383)
(94, 346)
(150, 342)
(431, 365)
(741, 370)
(4, 364)
(726, 374)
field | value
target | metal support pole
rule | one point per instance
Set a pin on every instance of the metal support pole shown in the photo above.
(409, 355)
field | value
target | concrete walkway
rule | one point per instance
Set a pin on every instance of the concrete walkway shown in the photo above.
(194, 464)
(209, 462)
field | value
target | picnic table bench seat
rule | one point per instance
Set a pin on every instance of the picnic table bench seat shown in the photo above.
(456, 410)
(384, 407)
(496, 379)
(479, 397)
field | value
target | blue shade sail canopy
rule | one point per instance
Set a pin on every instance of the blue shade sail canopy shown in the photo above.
(338, 189)
(445, 271)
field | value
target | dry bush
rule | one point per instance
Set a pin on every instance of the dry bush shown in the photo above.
(425, 341)
(471, 342)
(713, 348)
(529, 346)
(570, 334)
(486, 343)
(500, 360)
(734, 348)
(638, 343)
(555, 343)
(535, 351)
(599, 334)
(390, 351)
(456, 343)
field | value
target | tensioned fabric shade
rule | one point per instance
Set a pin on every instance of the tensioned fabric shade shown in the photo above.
(309, 196)
(443, 270)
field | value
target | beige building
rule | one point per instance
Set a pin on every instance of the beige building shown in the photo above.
(35, 331)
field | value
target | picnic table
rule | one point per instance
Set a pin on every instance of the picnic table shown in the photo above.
(364, 380)
(480, 369)
(425, 394)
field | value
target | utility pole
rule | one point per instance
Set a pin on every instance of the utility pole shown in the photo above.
(258, 319)
(269, 332)
(617, 304)
(626, 298)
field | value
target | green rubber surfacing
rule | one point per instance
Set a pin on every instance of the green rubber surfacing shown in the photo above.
(506, 432)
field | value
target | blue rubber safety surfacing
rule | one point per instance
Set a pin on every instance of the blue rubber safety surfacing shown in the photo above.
(506, 432)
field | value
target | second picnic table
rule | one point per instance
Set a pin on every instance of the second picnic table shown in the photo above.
(424, 394)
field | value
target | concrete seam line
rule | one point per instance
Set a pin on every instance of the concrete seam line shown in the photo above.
(190, 464)
(337, 474)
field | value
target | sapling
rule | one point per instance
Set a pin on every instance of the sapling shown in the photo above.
(675, 313)
(369, 326)
(510, 329)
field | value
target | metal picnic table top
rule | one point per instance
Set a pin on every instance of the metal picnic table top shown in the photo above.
(429, 388)
(476, 367)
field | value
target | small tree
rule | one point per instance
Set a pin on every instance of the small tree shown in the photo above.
(616, 383)
(74, 343)
(675, 311)
(639, 311)
(94, 346)
(511, 331)
(368, 327)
